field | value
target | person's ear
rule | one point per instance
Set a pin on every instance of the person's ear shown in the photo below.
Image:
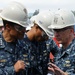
(72, 30)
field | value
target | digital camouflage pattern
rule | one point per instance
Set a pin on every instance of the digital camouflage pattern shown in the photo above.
(65, 59)
(8, 57)
(35, 55)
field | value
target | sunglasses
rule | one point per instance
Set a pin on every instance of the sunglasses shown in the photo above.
(60, 30)
(19, 28)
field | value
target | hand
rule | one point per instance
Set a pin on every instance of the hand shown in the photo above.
(19, 65)
(56, 70)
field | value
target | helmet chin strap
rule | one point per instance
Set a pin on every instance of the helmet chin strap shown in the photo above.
(44, 35)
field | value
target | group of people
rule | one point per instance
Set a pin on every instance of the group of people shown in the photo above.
(27, 53)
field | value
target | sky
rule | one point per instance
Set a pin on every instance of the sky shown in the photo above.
(42, 5)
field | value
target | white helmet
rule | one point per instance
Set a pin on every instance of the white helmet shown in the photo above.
(16, 13)
(1, 23)
(62, 19)
(44, 19)
(32, 19)
(31, 22)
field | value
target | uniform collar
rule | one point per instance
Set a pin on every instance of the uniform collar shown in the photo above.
(9, 46)
(69, 48)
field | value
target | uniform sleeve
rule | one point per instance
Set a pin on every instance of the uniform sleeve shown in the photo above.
(52, 47)
(6, 64)
(71, 64)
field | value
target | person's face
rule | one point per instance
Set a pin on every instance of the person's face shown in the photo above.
(62, 35)
(17, 31)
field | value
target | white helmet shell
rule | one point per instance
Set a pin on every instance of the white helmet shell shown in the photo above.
(44, 19)
(62, 19)
(31, 22)
(1, 23)
(32, 19)
(16, 13)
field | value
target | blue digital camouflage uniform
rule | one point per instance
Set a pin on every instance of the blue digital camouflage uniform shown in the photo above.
(52, 47)
(8, 57)
(65, 59)
(35, 55)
